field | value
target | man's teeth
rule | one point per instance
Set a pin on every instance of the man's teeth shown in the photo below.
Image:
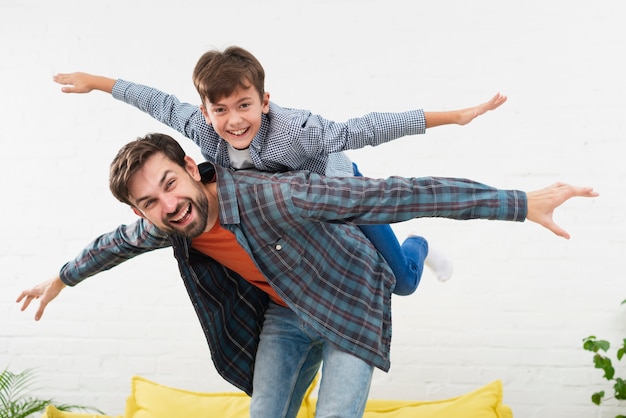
(181, 216)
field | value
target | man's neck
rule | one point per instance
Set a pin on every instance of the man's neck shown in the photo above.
(210, 190)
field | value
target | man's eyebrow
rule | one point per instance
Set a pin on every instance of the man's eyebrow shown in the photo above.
(163, 178)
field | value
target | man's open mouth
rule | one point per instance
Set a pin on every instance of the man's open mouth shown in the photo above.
(184, 215)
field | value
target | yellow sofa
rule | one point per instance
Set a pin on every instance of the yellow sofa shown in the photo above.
(152, 400)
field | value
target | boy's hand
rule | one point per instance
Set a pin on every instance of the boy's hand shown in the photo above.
(83, 82)
(47, 291)
(468, 115)
(541, 204)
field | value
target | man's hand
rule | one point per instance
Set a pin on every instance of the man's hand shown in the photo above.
(541, 204)
(45, 291)
(83, 83)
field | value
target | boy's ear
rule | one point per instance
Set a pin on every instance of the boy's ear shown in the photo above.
(265, 103)
(205, 114)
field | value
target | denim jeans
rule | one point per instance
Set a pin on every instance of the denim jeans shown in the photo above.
(406, 260)
(287, 360)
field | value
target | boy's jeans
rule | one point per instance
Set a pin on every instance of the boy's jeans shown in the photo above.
(287, 360)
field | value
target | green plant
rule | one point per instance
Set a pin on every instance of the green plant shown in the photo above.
(15, 402)
(605, 363)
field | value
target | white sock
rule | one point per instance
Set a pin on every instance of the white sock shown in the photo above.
(439, 263)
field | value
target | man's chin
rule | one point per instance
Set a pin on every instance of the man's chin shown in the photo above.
(190, 231)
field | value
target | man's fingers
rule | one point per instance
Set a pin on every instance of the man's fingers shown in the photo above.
(27, 302)
(558, 230)
(542, 204)
(39, 314)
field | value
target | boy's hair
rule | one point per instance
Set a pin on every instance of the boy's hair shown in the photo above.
(132, 157)
(218, 74)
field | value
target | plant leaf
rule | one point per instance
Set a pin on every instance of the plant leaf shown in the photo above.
(597, 397)
(15, 401)
(620, 388)
(591, 344)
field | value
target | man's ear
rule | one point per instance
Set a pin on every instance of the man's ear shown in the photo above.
(138, 212)
(265, 104)
(205, 114)
(192, 168)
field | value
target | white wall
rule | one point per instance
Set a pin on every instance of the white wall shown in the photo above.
(521, 299)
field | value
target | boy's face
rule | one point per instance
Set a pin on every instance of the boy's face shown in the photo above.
(237, 118)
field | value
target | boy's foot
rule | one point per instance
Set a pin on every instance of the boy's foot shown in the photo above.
(439, 263)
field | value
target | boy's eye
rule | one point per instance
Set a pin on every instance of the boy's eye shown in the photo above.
(245, 105)
(219, 110)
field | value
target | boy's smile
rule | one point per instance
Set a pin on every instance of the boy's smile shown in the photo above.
(237, 118)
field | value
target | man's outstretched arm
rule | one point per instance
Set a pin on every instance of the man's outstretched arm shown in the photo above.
(395, 199)
(103, 253)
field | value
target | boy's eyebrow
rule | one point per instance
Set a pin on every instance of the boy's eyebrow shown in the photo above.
(163, 177)
(243, 99)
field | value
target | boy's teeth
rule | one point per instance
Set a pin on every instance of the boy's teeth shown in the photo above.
(239, 132)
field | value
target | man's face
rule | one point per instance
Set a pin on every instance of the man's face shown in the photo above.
(237, 118)
(170, 196)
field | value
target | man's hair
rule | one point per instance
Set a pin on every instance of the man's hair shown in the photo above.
(219, 73)
(132, 157)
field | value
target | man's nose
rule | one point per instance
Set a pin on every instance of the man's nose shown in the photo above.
(170, 204)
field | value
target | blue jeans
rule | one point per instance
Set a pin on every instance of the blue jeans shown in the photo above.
(287, 360)
(406, 261)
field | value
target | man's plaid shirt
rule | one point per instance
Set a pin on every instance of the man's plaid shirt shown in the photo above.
(299, 228)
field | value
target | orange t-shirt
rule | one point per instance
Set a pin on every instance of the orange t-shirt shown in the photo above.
(221, 245)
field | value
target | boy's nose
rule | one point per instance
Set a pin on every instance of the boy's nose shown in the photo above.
(235, 118)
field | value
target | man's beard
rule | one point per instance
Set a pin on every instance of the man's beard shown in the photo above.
(200, 208)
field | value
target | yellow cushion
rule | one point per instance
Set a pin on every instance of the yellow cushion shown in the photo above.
(52, 412)
(152, 400)
(485, 402)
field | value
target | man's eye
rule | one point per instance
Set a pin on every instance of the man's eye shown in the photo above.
(148, 204)
(170, 184)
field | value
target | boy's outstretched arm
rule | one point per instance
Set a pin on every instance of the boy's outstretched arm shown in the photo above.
(83, 82)
(44, 291)
(541, 204)
(463, 116)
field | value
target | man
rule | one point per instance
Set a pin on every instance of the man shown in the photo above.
(280, 276)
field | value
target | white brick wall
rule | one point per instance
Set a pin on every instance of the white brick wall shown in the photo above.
(521, 299)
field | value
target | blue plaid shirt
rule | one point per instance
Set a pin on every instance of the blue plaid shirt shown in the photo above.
(300, 230)
(289, 139)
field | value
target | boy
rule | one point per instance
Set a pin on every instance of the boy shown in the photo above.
(237, 126)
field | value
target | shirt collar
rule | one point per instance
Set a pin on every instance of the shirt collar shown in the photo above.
(226, 191)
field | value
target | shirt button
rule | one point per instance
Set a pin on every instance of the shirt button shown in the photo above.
(279, 247)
